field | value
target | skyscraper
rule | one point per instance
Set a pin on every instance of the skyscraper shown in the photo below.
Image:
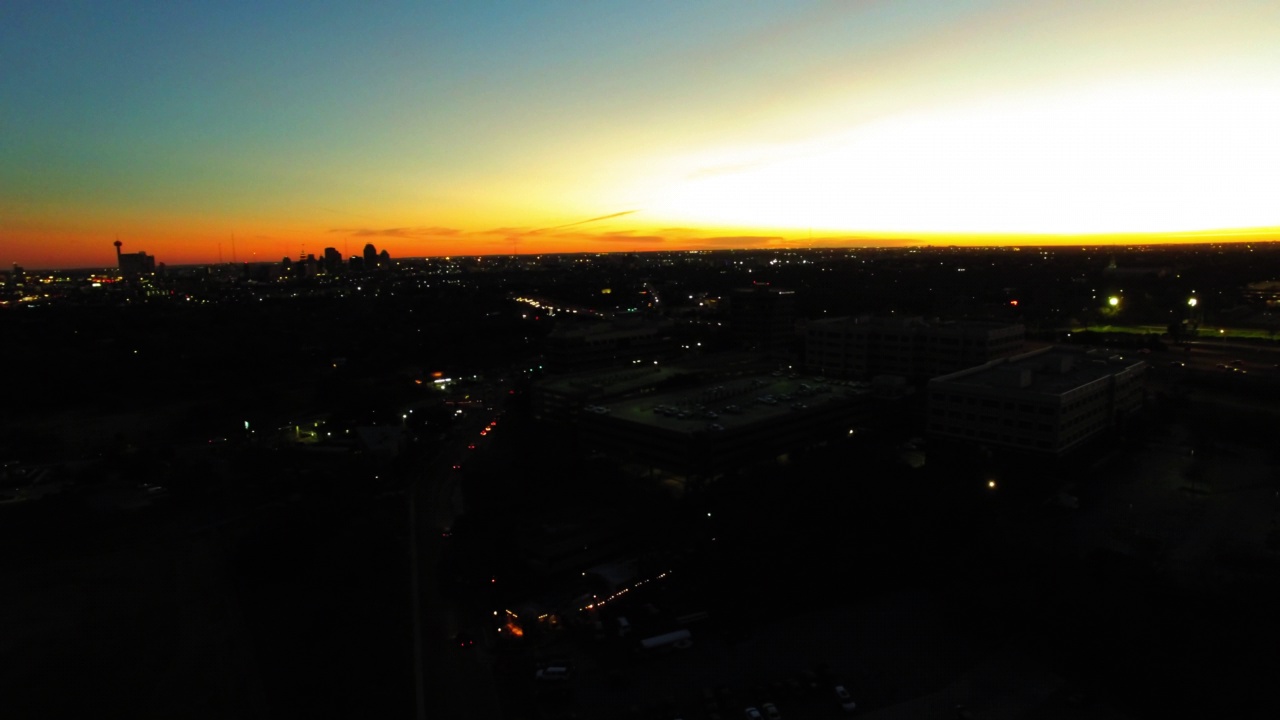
(332, 260)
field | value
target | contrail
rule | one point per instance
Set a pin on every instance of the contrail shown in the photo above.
(583, 222)
(515, 239)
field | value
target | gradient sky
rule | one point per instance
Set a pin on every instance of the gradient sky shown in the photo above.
(434, 128)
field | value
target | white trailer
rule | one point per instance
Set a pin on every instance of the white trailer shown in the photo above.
(679, 639)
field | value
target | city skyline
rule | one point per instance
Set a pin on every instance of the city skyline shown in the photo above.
(199, 133)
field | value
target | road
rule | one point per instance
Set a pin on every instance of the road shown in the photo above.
(450, 681)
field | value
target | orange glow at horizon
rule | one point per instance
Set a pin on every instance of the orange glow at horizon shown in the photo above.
(101, 254)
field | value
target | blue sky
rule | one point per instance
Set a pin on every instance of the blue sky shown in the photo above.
(175, 125)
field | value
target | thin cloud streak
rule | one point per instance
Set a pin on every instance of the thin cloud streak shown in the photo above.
(623, 238)
(584, 222)
(403, 233)
(740, 241)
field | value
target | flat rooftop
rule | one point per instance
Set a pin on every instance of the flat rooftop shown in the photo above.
(610, 330)
(734, 404)
(612, 380)
(1050, 371)
(915, 322)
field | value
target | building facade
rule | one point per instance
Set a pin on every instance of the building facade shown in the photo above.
(703, 432)
(1047, 401)
(860, 347)
(134, 264)
(571, 348)
(763, 318)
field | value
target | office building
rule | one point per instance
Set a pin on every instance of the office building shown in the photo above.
(332, 260)
(763, 318)
(1047, 401)
(703, 432)
(912, 347)
(622, 342)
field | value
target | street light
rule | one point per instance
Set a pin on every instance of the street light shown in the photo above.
(1191, 302)
(1113, 301)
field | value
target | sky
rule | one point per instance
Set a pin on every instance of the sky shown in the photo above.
(216, 131)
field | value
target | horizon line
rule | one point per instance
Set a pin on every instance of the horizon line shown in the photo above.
(1236, 236)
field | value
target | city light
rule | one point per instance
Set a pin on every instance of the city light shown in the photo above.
(1113, 301)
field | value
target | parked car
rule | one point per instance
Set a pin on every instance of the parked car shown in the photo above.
(846, 700)
(809, 679)
(726, 698)
(555, 673)
(754, 714)
(771, 711)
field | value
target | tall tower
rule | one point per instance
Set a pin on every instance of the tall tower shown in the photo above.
(134, 263)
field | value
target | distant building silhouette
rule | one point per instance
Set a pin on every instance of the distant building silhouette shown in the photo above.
(370, 257)
(763, 318)
(384, 259)
(332, 260)
(133, 264)
(1112, 269)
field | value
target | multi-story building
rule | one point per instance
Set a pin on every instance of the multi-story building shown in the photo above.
(570, 348)
(332, 260)
(134, 264)
(763, 318)
(858, 347)
(563, 397)
(1047, 401)
(566, 396)
(705, 431)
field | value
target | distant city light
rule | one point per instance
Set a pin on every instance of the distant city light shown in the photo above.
(1113, 301)
(1192, 302)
